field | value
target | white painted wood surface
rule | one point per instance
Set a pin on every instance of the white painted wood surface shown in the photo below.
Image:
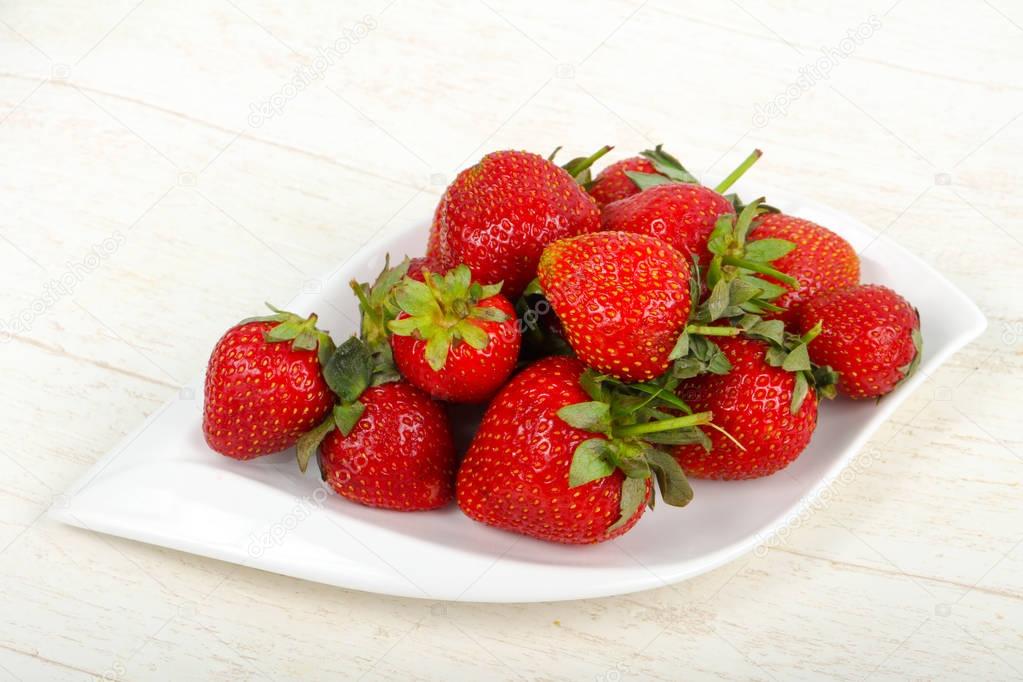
(147, 202)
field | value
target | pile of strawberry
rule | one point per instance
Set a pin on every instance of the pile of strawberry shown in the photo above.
(622, 330)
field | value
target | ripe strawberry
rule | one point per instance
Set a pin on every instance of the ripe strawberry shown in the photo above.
(263, 385)
(453, 338)
(497, 216)
(770, 410)
(871, 337)
(615, 182)
(681, 213)
(821, 261)
(399, 455)
(622, 298)
(385, 443)
(612, 184)
(551, 461)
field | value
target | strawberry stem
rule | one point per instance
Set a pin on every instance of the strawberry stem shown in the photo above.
(664, 425)
(577, 167)
(761, 268)
(704, 330)
(734, 176)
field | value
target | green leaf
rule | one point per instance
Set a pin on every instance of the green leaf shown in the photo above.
(593, 383)
(634, 467)
(798, 359)
(681, 347)
(311, 440)
(306, 340)
(349, 370)
(765, 250)
(775, 356)
(647, 180)
(416, 298)
(719, 362)
(406, 326)
(671, 480)
(721, 235)
(386, 281)
(677, 437)
(590, 461)
(633, 497)
(718, 300)
(325, 348)
(742, 291)
(488, 314)
(472, 334)
(769, 290)
(799, 392)
(347, 416)
(668, 165)
(772, 331)
(533, 288)
(286, 331)
(488, 290)
(437, 347)
(592, 416)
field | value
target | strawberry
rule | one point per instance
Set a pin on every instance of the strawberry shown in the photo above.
(453, 338)
(263, 385)
(681, 213)
(559, 457)
(398, 455)
(765, 402)
(821, 260)
(871, 337)
(622, 298)
(614, 183)
(498, 215)
(385, 443)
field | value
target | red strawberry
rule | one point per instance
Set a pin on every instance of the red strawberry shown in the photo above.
(821, 261)
(617, 182)
(399, 455)
(385, 444)
(548, 460)
(757, 403)
(263, 385)
(622, 298)
(681, 213)
(612, 184)
(453, 338)
(871, 337)
(497, 216)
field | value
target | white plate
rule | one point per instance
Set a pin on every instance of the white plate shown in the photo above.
(162, 485)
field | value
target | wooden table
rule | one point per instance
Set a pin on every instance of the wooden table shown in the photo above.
(165, 167)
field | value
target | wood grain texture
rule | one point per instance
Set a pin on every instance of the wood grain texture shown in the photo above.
(147, 202)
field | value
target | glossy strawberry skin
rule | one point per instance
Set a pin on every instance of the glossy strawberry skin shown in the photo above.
(398, 456)
(681, 214)
(821, 261)
(260, 396)
(612, 184)
(622, 298)
(752, 403)
(497, 216)
(867, 337)
(468, 375)
(515, 475)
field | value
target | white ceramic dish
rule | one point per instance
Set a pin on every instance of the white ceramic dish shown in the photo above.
(162, 485)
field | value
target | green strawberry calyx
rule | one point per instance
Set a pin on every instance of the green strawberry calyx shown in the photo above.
(790, 352)
(350, 371)
(444, 311)
(734, 275)
(580, 168)
(378, 308)
(628, 422)
(300, 331)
